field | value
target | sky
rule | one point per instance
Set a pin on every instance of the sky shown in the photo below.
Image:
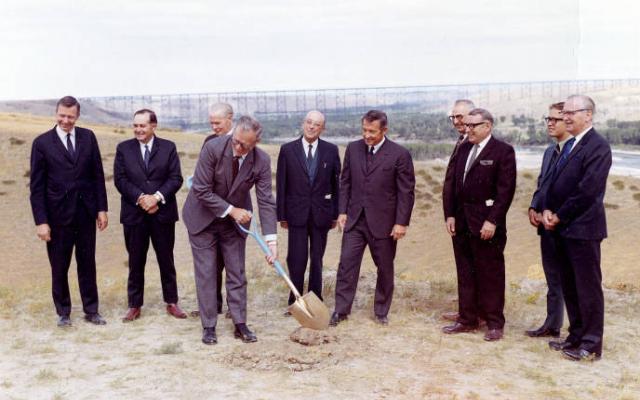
(122, 47)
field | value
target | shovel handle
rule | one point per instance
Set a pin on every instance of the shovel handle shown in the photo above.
(265, 249)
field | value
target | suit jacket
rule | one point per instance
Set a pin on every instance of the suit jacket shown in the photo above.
(297, 197)
(384, 191)
(213, 191)
(488, 188)
(60, 184)
(577, 193)
(449, 180)
(132, 179)
(544, 178)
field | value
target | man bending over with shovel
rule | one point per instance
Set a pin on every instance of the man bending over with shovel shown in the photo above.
(228, 167)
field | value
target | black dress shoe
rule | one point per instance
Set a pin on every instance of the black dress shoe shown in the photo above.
(64, 321)
(243, 332)
(337, 318)
(564, 345)
(382, 320)
(95, 319)
(543, 331)
(209, 336)
(577, 354)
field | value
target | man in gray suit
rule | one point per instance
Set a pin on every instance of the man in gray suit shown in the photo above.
(550, 261)
(228, 167)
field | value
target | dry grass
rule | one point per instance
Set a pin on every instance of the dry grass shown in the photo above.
(409, 359)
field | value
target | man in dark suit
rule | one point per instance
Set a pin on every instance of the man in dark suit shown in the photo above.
(550, 262)
(307, 200)
(68, 199)
(485, 182)
(376, 199)
(460, 110)
(574, 211)
(147, 174)
(227, 169)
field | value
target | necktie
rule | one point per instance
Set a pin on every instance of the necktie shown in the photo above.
(235, 168)
(369, 156)
(309, 157)
(70, 148)
(146, 156)
(564, 155)
(472, 158)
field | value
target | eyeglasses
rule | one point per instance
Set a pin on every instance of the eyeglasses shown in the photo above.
(571, 113)
(243, 146)
(552, 119)
(473, 126)
(454, 117)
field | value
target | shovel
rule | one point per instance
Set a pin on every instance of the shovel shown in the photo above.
(308, 310)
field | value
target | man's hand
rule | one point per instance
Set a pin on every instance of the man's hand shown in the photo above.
(450, 224)
(147, 201)
(534, 217)
(284, 225)
(240, 215)
(398, 232)
(102, 220)
(273, 247)
(342, 221)
(487, 231)
(153, 210)
(550, 220)
(44, 232)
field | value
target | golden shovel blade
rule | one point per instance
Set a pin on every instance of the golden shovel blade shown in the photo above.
(310, 312)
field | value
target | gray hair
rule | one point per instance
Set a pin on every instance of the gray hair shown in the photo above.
(465, 102)
(246, 123)
(221, 109)
(486, 115)
(586, 101)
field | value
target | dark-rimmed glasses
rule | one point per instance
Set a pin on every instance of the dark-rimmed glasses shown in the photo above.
(552, 119)
(243, 146)
(473, 126)
(455, 117)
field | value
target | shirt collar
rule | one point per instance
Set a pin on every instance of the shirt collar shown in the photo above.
(149, 143)
(63, 135)
(377, 146)
(306, 144)
(484, 142)
(581, 135)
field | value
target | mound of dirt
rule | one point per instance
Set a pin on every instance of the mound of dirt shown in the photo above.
(311, 337)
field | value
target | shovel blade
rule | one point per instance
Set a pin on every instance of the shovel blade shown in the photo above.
(310, 312)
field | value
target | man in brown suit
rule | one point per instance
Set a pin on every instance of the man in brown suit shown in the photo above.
(376, 199)
(485, 181)
(227, 169)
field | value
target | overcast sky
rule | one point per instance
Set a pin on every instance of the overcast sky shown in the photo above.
(124, 47)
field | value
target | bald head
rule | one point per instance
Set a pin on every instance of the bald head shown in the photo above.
(313, 125)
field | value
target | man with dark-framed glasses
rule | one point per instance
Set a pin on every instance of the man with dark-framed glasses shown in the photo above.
(551, 265)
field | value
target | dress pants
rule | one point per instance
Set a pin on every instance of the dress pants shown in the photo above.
(137, 242)
(481, 279)
(205, 250)
(383, 252)
(81, 233)
(582, 288)
(552, 267)
(219, 273)
(302, 240)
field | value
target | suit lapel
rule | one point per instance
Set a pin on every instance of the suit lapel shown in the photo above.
(227, 160)
(299, 154)
(379, 157)
(245, 168)
(320, 156)
(574, 152)
(61, 148)
(154, 150)
(137, 154)
(485, 150)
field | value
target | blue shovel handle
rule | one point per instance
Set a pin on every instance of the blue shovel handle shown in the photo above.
(263, 245)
